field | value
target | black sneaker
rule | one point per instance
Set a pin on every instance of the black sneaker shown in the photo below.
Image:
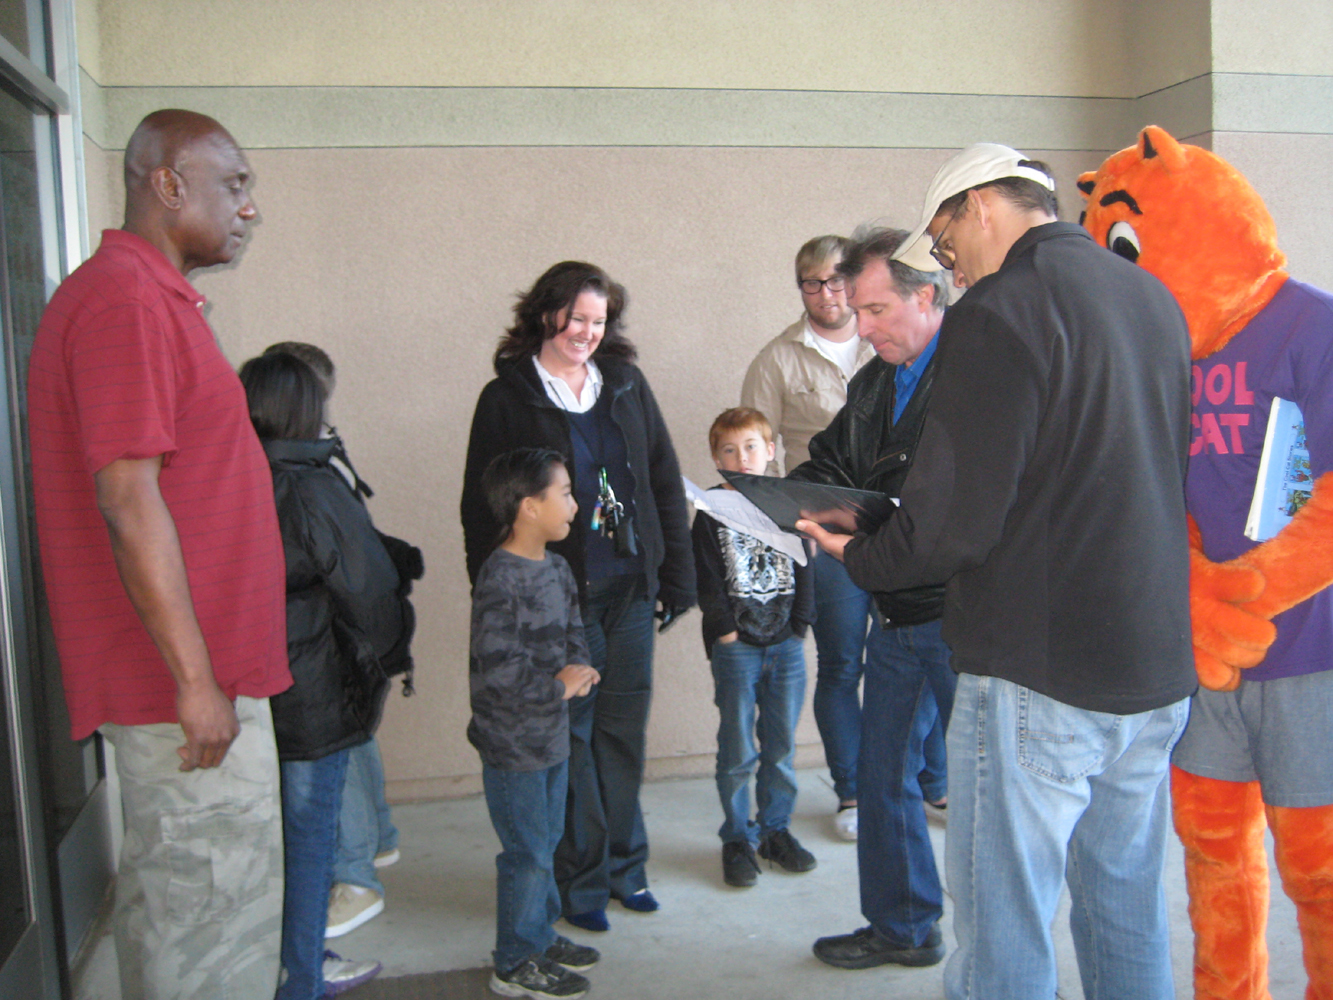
(785, 851)
(572, 956)
(865, 949)
(539, 977)
(739, 866)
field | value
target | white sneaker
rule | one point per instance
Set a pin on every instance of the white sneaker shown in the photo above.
(341, 974)
(844, 822)
(350, 906)
(386, 858)
(937, 814)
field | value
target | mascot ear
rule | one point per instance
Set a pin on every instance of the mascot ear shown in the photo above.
(1086, 182)
(1157, 143)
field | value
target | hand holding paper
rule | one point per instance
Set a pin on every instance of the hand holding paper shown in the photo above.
(832, 543)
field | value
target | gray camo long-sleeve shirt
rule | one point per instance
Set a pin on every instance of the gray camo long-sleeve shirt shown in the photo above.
(525, 629)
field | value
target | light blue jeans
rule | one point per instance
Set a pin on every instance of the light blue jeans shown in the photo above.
(364, 825)
(757, 688)
(1040, 791)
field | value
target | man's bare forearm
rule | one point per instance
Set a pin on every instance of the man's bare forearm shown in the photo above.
(152, 568)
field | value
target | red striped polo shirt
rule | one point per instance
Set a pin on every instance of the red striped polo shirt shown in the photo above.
(124, 365)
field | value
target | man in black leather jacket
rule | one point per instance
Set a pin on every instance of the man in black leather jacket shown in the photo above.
(908, 681)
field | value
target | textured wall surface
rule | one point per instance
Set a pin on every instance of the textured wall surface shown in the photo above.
(417, 164)
(916, 46)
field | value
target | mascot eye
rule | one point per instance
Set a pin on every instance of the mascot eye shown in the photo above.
(1123, 240)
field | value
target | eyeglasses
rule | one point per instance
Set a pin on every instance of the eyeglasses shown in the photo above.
(813, 286)
(944, 256)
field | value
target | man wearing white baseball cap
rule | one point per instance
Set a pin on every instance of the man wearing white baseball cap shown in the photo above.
(1048, 492)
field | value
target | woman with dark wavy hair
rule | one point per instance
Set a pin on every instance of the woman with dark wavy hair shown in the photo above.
(566, 379)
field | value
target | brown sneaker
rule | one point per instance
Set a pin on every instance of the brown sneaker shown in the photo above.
(350, 906)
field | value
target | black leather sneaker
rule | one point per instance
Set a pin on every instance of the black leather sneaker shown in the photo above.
(865, 949)
(739, 866)
(572, 956)
(785, 851)
(539, 978)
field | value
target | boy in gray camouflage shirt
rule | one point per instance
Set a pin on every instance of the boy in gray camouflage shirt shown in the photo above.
(528, 658)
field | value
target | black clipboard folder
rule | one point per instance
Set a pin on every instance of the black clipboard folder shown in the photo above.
(836, 508)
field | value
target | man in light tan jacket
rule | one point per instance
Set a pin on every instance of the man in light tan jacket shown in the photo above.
(799, 379)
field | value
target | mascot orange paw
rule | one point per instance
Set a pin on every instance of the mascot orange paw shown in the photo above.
(1297, 562)
(1227, 637)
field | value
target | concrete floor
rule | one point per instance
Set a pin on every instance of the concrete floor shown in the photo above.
(708, 939)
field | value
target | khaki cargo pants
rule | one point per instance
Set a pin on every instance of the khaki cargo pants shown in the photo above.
(198, 909)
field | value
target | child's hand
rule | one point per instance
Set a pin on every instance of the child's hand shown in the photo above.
(578, 679)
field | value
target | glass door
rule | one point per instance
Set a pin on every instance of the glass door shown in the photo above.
(45, 779)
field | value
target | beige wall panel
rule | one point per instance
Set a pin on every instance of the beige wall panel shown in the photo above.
(105, 189)
(88, 28)
(1295, 36)
(1165, 43)
(403, 264)
(1062, 47)
(1290, 172)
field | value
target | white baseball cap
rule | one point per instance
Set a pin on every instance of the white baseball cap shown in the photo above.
(980, 163)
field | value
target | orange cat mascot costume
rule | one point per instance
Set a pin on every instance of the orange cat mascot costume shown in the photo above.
(1259, 734)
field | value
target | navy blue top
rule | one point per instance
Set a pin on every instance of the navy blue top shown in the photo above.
(598, 443)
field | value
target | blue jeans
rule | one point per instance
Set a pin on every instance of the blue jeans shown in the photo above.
(364, 826)
(842, 612)
(311, 798)
(605, 847)
(900, 886)
(528, 813)
(1042, 791)
(767, 681)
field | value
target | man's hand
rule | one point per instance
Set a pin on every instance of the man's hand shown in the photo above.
(152, 569)
(828, 541)
(209, 720)
(578, 679)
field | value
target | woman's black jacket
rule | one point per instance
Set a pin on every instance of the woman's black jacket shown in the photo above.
(514, 411)
(347, 627)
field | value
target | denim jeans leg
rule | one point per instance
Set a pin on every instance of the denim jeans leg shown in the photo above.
(736, 667)
(388, 833)
(605, 846)
(935, 773)
(1118, 916)
(900, 887)
(527, 811)
(358, 822)
(779, 696)
(1025, 772)
(311, 799)
(842, 613)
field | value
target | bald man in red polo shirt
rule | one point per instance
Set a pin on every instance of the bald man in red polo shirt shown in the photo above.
(164, 569)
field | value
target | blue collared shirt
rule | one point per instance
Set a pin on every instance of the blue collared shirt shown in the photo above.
(906, 378)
